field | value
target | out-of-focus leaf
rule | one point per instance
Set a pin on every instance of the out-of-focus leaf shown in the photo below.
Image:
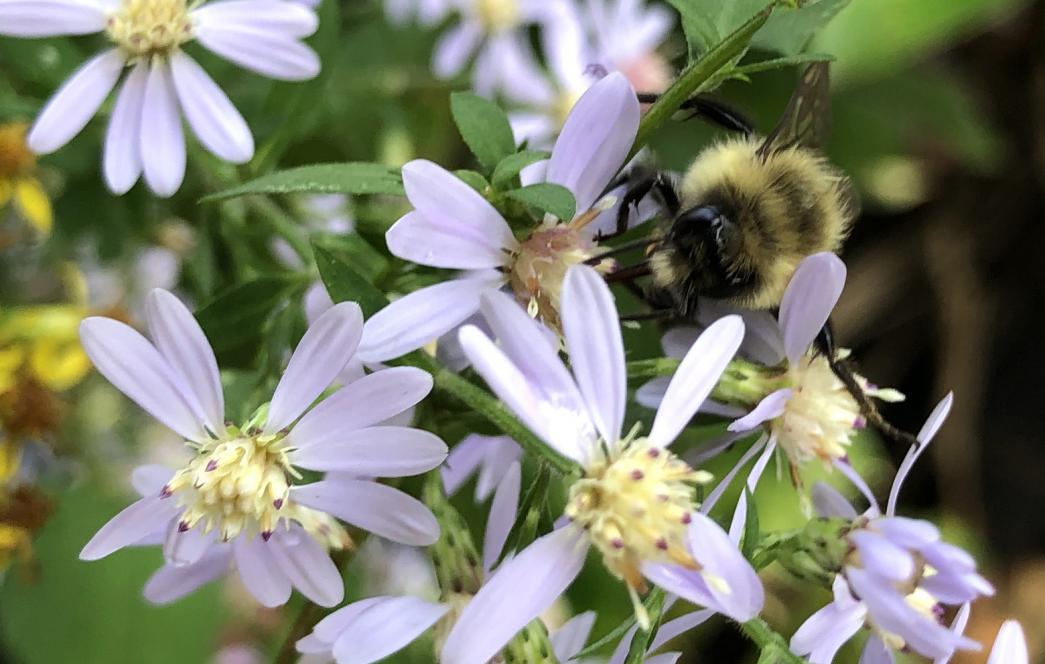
(350, 178)
(483, 126)
(360, 254)
(473, 179)
(345, 284)
(878, 38)
(236, 318)
(509, 167)
(93, 613)
(547, 197)
(789, 30)
(708, 22)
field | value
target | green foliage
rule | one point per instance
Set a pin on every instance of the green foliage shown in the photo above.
(344, 283)
(506, 172)
(789, 30)
(484, 128)
(554, 199)
(351, 178)
(235, 320)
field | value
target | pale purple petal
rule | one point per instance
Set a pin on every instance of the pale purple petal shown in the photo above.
(522, 79)
(596, 348)
(321, 354)
(423, 316)
(385, 627)
(712, 448)
(850, 473)
(50, 18)
(881, 557)
(1010, 647)
(503, 451)
(569, 639)
(712, 498)
(454, 48)
(279, 17)
(679, 626)
(909, 533)
(491, 456)
(375, 507)
(807, 303)
(828, 502)
(520, 591)
(446, 202)
(271, 54)
(677, 341)
(137, 520)
(259, 571)
(213, 118)
(186, 547)
(595, 139)
(502, 515)
(925, 436)
(170, 583)
(769, 408)
(362, 403)
(876, 652)
(122, 161)
(695, 378)
(181, 341)
(961, 619)
(381, 451)
(416, 239)
(137, 369)
(664, 658)
(308, 566)
(330, 628)
(72, 106)
(736, 527)
(162, 140)
(148, 480)
(822, 634)
(651, 394)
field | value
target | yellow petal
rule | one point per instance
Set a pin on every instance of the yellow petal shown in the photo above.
(11, 360)
(10, 456)
(58, 364)
(35, 206)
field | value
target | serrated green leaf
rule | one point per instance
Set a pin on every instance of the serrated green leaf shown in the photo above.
(345, 284)
(789, 30)
(235, 319)
(509, 168)
(347, 178)
(547, 197)
(473, 179)
(483, 126)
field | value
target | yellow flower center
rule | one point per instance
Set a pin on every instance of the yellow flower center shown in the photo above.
(15, 157)
(150, 27)
(636, 505)
(242, 484)
(498, 15)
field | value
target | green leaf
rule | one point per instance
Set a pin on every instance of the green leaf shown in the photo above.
(524, 530)
(614, 635)
(235, 319)
(370, 263)
(483, 126)
(641, 641)
(473, 179)
(547, 197)
(742, 72)
(348, 178)
(789, 30)
(509, 168)
(345, 284)
(707, 22)
(752, 533)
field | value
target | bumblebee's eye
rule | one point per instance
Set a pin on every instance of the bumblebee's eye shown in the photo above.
(704, 223)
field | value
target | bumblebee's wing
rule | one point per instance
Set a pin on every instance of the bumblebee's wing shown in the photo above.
(806, 119)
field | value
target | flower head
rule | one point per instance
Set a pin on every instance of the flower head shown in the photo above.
(240, 497)
(145, 132)
(19, 185)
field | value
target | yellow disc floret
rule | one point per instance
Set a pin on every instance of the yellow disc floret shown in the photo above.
(150, 27)
(498, 15)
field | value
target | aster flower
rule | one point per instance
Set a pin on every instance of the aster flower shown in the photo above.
(426, 12)
(896, 578)
(237, 501)
(489, 457)
(643, 522)
(453, 226)
(627, 34)
(145, 131)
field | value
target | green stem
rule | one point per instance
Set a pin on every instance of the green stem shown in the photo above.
(642, 640)
(695, 76)
(486, 405)
(661, 366)
(769, 640)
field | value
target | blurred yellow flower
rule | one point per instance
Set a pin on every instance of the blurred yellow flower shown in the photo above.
(18, 183)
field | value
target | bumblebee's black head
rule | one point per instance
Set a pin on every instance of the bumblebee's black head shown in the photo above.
(707, 237)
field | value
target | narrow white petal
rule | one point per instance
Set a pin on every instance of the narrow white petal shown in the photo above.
(322, 353)
(162, 140)
(181, 341)
(308, 566)
(171, 583)
(136, 521)
(381, 451)
(123, 161)
(1010, 647)
(385, 627)
(453, 49)
(69, 110)
(416, 239)
(260, 572)
(502, 515)
(769, 408)
(925, 436)
(596, 348)
(520, 591)
(807, 303)
(380, 509)
(696, 377)
(271, 54)
(292, 19)
(49, 18)
(213, 118)
(569, 639)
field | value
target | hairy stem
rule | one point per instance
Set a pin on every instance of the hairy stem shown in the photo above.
(772, 645)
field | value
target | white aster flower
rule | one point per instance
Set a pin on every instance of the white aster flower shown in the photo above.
(634, 502)
(238, 501)
(426, 12)
(145, 128)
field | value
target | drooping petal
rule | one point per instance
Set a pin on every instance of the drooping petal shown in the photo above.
(308, 566)
(592, 330)
(260, 572)
(386, 626)
(69, 110)
(215, 121)
(769, 408)
(276, 55)
(696, 377)
(171, 582)
(382, 451)
(453, 49)
(181, 341)
(807, 303)
(520, 591)
(122, 162)
(416, 239)
(595, 139)
(50, 18)
(1010, 647)
(380, 509)
(925, 436)
(162, 140)
(423, 316)
(136, 368)
(569, 639)
(502, 515)
(291, 19)
(136, 521)
(323, 352)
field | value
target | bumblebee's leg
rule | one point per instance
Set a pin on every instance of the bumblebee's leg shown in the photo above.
(826, 345)
(658, 182)
(710, 111)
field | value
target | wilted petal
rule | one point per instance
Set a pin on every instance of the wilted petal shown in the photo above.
(569, 639)
(382, 451)
(260, 572)
(122, 162)
(216, 122)
(696, 377)
(136, 521)
(386, 626)
(50, 18)
(502, 515)
(416, 239)
(520, 591)
(807, 303)
(375, 507)
(171, 582)
(323, 352)
(308, 566)
(1010, 647)
(769, 408)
